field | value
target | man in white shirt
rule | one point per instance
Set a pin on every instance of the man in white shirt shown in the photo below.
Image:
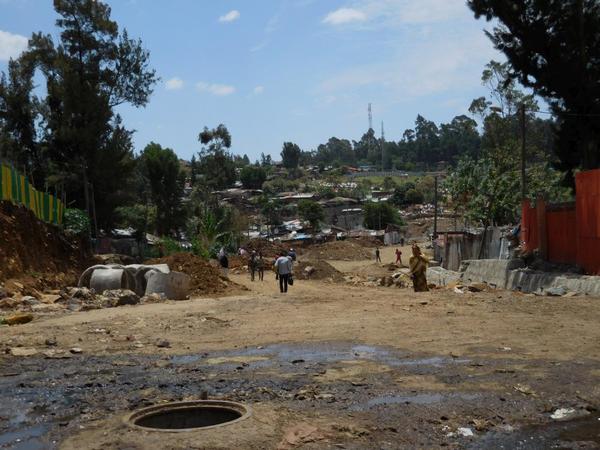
(283, 267)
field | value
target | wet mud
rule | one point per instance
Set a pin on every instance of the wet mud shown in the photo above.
(399, 399)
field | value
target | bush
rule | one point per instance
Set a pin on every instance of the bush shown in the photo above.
(253, 177)
(76, 221)
(378, 215)
(413, 197)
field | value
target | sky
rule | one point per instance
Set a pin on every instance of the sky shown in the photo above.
(275, 71)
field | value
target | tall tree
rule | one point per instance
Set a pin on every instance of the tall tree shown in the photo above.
(311, 212)
(163, 174)
(216, 165)
(290, 155)
(19, 111)
(553, 46)
(92, 69)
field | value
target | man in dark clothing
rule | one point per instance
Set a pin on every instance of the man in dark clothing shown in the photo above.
(377, 257)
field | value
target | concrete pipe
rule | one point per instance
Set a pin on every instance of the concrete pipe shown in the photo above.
(174, 285)
(84, 279)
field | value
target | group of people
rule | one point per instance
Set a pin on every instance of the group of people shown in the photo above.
(417, 266)
(282, 265)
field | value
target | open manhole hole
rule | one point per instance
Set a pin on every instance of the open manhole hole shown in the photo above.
(188, 416)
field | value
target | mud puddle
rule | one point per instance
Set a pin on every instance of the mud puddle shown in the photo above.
(580, 433)
(280, 354)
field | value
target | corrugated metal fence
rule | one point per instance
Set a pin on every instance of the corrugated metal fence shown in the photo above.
(16, 188)
(567, 232)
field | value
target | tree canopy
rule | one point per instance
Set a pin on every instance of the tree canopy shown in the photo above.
(553, 47)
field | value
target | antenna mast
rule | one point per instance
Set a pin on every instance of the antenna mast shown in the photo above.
(382, 146)
(370, 118)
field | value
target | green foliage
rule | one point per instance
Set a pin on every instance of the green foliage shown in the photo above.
(311, 212)
(277, 185)
(378, 215)
(170, 246)
(488, 189)
(253, 177)
(290, 155)
(74, 139)
(216, 163)
(389, 184)
(413, 197)
(271, 210)
(552, 47)
(77, 222)
(162, 172)
(140, 217)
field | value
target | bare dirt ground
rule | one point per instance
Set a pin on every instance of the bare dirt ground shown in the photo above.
(327, 365)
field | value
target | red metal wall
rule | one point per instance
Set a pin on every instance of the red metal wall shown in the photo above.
(561, 230)
(588, 220)
(572, 233)
(529, 227)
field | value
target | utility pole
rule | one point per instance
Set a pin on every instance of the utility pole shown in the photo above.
(435, 207)
(523, 180)
(382, 147)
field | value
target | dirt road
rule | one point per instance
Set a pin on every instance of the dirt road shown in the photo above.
(327, 365)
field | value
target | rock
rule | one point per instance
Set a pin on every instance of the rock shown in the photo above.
(80, 292)
(50, 298)
(463, 431)
(3, 293)
(51, 342)
(558, 291)
(23, 351)
(308, 270)
(46, 307)
(163, 343)
(18, 319)
(153, 298)
(562, 413)
(56, 354)
(9, 303)
(477, 287)
(120, 297)
(30, 301)
(76, 350)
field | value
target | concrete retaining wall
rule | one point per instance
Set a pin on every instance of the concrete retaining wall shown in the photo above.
(510, 274)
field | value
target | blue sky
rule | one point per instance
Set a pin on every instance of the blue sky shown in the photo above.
(288, 70)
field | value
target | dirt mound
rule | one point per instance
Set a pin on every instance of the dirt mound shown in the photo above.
(267, 248)
(348, 250)
(206, 279)
(317, 270)
(35, 255)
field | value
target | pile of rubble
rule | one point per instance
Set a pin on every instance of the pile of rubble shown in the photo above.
(317, 270)
(205, 278)
(348, 250)
(20, 309)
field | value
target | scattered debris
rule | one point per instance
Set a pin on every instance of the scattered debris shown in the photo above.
(17, 319)
(23, 351)
(562, 413)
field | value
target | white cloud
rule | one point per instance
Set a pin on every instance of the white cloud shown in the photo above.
(11, 45)
(398, 12)
(344, 15)
(231, 16)
(215, 88)
(429, 67)
(258, 90)
(174, 84)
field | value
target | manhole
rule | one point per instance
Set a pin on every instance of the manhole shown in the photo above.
(188, 416)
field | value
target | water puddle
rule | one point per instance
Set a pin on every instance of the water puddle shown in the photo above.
(319, 353)
(417, 399)
(582, 432)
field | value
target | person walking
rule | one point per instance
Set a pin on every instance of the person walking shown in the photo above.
(377, 255)
(260, 266)
(283, 267)
(398, 257)
(224, 261)
(418, 269)
(252, 264)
